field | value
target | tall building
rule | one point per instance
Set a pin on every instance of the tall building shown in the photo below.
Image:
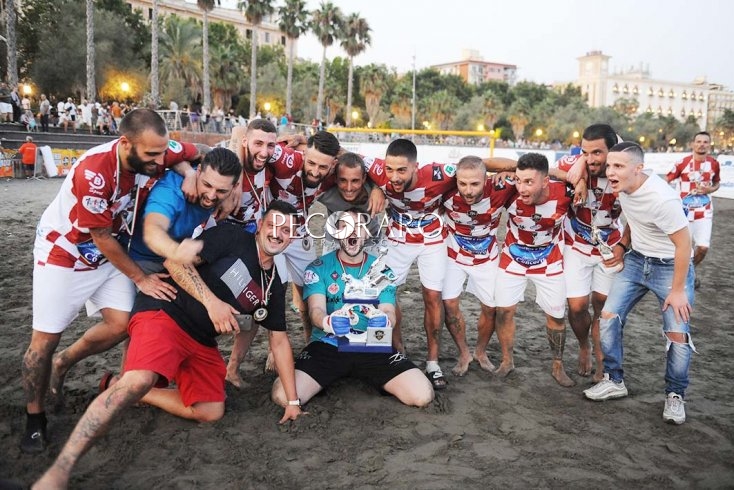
(224, 11)
(640, 93)
(474, 70)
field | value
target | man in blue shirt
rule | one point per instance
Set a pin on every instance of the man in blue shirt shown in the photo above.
(321, 362)
(170, 220)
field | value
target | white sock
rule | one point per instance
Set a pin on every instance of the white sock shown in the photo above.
(432, 366)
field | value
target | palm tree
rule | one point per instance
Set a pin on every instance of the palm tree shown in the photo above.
(372, 86)
(91, 85)
(441, 106)
(490, 109)
(206, 6)
(181, 53)
(154, 90)
(325, 24)
(226, 74)
(255, 12)
(11, 43)
(519, 117)
(293, 23)
(355, 39)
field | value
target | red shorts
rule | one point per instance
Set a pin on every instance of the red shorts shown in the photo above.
(158, 344)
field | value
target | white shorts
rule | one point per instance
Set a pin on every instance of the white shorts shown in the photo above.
(59, 293)
(482, 280)
(550, 292)
(432, 261)
(584, 274)
(701, 232)
(292, 263)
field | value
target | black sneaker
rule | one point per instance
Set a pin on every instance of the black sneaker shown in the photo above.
(34, 440)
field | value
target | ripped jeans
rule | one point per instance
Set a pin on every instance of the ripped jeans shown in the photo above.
(640, 275)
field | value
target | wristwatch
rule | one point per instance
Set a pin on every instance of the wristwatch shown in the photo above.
(294, 403)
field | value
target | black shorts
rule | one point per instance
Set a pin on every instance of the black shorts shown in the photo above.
(325, 364)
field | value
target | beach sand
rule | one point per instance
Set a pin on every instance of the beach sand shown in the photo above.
(481, 432)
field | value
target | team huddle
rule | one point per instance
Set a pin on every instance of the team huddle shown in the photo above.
(173, 245)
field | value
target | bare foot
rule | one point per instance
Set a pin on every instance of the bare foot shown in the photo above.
(56, 383)
(484, 362)
(584, 366)
(270, 363)
(233, 377)
(462, 366)
(505, 369)
(559, 374)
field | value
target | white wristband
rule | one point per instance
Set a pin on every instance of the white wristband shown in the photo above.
(326, 325)
(294, 403)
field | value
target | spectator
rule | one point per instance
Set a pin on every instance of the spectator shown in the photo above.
(28, 152)
(44, 110)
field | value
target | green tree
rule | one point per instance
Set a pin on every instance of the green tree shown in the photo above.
(255, 12)
(354, 40)
(180, 46)
(440, 108)
(293, 22)
(373, 85)
(326, 23)
(519, 117)
(206, 6)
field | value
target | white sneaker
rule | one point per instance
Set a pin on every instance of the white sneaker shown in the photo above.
(675, 410)
(606, 389)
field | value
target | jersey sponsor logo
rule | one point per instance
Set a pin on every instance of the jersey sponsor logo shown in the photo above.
(283, 195)
(450, 170)
(537, 217)
(437, 173)
(335, 275)
(175, 146)
(276, 154)
(95, 205)
(96, 181)
(310, 277)
(333, 288)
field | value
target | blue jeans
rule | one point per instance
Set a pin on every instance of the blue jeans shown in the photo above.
(640, 275)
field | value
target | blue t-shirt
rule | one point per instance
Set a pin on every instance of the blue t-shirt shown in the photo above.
(167, 199)
(324, 276)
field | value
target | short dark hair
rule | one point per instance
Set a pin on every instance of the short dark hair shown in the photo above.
(139, 120)
(533, 161)
(631, 148)
(280, 206)
(262, 125)
(702, 133)
(225, 162)
(350, 160)
(324, 142)
(601, 131)
(402, 147)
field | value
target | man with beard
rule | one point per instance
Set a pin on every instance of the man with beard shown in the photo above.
(321, 362)
(254, 148)
(699, 176)
(532, 251)
(588, 275)
(78, 258)
(472, 215)
(170, 220)
(176, 340)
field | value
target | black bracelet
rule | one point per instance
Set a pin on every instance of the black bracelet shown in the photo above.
(624, 247)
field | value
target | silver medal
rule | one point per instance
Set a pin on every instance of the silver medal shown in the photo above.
(260, 314)
(306, 243)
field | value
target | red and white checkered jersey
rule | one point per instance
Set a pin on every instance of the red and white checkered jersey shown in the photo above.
(96, 193)
(601, 209)
(537, 230)
(253, 201)
(414, 216)
(286, 182)
(690, 173)
(472, 229)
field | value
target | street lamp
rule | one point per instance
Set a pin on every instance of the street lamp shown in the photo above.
(642, 141)
(125, 87)
(267, 106)
(576, 135)
(27, 90)
(480, 127)
(355, 117)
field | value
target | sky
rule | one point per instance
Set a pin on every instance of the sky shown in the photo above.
(679, 40)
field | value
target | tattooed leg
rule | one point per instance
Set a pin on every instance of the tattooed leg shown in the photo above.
(456, 326)
(556, 333)
(94, 423)
(36, 369)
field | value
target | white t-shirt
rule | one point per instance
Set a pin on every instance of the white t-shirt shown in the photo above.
(653, 212)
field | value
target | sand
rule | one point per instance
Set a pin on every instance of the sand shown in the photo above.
(522, 432)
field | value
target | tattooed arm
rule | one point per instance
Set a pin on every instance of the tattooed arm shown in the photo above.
(220, 313)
